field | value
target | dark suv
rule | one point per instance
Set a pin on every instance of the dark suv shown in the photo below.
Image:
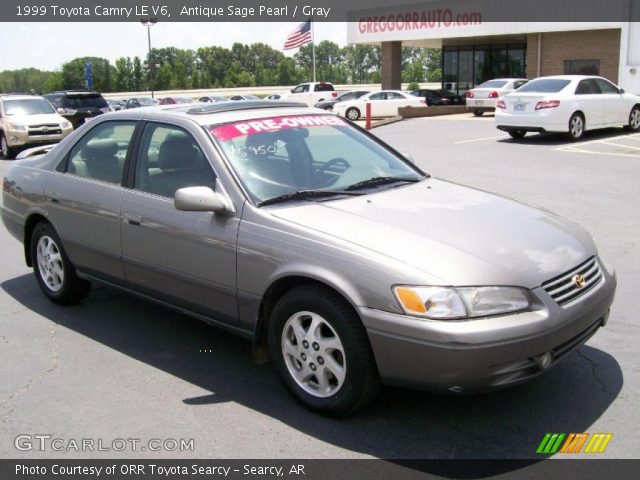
(76, 106)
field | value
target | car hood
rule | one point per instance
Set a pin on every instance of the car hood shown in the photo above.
(39, 119)
(457, 235)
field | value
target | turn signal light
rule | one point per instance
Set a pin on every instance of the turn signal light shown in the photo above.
(469, 94)
(334, 94)
(494, 95)
(501, 104)
(547, 104)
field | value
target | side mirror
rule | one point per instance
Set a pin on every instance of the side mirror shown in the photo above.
(200, 199)
(621, 91)
(292, 90)
(60, 111)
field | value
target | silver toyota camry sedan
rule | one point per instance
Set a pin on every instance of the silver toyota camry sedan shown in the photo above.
(347, 265)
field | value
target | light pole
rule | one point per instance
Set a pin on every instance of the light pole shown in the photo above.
(150, 22)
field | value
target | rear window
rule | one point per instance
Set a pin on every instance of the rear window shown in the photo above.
(324, 87)
(493, 84)
(84, 101)
(544, 85)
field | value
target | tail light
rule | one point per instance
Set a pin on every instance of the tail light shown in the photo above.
(334, 94)
(494, 94)
(469, 94)
(501, 104)
(423, 100)
(547, 104)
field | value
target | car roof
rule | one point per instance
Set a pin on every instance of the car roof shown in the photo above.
(219, 112)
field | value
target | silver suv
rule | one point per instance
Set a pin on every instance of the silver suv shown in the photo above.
(292, 227)
(29, 120)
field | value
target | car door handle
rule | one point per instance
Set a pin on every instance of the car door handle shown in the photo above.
(132, 218)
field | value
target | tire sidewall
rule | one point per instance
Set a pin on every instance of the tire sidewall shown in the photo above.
(288, 306)
(3, 141)
(634, 109)
(353, 109)
(584, 123)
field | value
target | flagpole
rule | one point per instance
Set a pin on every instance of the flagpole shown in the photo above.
(313, 48)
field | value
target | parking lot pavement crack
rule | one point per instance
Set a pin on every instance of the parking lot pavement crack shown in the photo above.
(52, 365)
(594, 372)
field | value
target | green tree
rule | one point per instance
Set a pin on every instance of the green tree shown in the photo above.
(73, 74)
(123, 76)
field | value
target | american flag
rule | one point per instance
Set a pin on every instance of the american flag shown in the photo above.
(299, 37)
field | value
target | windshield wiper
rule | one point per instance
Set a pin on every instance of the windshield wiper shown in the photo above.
(305, 194)
(375, 181)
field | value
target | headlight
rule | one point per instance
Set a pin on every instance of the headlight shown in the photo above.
(17, 127)
(65, 125)
(443, 303)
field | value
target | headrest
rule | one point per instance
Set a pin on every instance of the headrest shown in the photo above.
(100, 149)
(177, 151)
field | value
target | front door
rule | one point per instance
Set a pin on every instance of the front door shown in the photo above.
(186, 258)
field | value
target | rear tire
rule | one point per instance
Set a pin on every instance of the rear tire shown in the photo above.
(576, 126)
(517, 133)
(634, 120)
(5, 150)
(54, 273)
(478, 113)
(322, 352)
(353, 113)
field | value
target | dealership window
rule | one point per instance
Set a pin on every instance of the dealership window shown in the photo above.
(464, 67)
(582, 67)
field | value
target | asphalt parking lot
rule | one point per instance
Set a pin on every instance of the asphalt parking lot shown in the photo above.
(117, 367)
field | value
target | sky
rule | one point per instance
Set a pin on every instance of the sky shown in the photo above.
(48, 45)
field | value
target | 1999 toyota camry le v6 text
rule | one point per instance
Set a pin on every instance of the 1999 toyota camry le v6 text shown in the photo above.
(305, 233)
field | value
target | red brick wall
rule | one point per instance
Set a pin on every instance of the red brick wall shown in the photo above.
(603, 45)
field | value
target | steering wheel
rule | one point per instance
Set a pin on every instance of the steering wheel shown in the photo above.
(319, 174)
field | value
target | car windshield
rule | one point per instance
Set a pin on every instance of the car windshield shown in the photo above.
(544, 85)
(283, 155)
(147, 101)
(493, 84)
(30, 106)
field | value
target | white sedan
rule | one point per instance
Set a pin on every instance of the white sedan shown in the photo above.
(384, 103)
(483, 98)
(567, 103)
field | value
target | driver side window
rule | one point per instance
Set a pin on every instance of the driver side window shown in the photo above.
(170, 159)
(378, 96)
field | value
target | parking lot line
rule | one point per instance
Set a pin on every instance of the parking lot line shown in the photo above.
(581, 150)
(479, 139)
(606, 142)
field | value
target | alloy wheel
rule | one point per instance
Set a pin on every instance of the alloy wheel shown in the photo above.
(634, 119)
(313, 354)
(50, 264)
(576, 126)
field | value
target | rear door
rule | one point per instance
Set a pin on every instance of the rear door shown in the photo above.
(379, 105)
(592, 103)
(84, 197)
(185, 258)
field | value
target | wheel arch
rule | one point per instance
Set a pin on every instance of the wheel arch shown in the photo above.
(32, 220)
(281, 286)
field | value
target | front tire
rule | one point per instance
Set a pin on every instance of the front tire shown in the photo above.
(576, 126)
(5, 149)
(54, 273)
(634, 119)
(517, 133)
(322, 352)
(353, 113)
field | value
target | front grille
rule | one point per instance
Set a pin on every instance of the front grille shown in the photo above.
(44, 129)
(564, 288)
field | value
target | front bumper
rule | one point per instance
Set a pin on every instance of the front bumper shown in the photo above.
(20, 138)
(484, 354)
